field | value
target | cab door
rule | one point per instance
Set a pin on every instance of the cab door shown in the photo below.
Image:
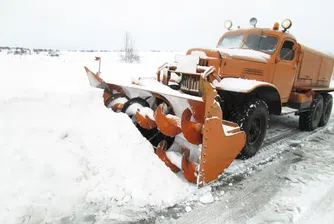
(285, 69)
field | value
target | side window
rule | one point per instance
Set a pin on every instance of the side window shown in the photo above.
(287, 52)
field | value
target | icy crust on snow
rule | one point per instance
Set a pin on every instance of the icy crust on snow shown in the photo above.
(65, 155)
(308, 196)
(206, 198)
(238, 84)
(248, 53)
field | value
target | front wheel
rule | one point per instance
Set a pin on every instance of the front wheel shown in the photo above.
(253, 120)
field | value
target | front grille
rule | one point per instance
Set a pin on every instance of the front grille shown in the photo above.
(203, 62)
(190, 83)
(252, 71)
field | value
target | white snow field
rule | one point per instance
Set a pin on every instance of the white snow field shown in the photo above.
(65, 158)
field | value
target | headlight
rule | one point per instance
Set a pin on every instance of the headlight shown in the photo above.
(253, 21)
(228, 24)
(286, 24)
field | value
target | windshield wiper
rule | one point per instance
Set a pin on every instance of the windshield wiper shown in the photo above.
(258, 46)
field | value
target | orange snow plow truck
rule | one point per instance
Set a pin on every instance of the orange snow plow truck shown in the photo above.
(211, 106)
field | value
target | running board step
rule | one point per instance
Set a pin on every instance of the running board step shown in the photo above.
(288, 110)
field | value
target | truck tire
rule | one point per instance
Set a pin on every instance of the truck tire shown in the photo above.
(253, 120)
(309, 120)
(328, 104)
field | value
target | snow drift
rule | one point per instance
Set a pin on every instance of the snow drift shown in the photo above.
(64, 153)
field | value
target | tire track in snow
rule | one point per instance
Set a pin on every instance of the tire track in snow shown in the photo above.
(325, 207)
(247, 197)
(283, 136)
(241, 200)
(274, 145)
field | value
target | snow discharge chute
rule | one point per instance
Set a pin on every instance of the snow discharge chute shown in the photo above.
(187, 132)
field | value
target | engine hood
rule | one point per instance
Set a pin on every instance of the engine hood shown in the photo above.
(245, 54)
(241, 54)
(204, 53)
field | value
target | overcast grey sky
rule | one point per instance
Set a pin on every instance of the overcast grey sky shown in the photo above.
(155, 24)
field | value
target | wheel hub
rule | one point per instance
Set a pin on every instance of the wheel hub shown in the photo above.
(254, 130)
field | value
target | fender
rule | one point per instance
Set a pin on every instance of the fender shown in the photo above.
(240, 85)
(262, 90)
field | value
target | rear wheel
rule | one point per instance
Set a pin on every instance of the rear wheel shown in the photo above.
(309, 120)
(328, 104)
(253, 120)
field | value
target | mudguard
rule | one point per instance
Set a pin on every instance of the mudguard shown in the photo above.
(240, 85)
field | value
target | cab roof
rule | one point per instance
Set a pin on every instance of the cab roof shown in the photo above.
(267, 31)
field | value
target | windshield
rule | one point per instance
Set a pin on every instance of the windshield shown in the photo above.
(233, 41)
(253, 41)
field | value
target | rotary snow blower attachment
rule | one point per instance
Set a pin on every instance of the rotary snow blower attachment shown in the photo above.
(187, 132)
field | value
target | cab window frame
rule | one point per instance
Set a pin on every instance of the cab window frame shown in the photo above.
(287, 58)
(257, 32)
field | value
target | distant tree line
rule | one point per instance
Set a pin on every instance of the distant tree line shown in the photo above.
(127, 53)
(28, 51)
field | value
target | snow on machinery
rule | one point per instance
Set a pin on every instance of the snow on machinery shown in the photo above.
(212, 105)
(207, 143)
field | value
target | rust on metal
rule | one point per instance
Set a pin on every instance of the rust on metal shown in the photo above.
(168, 125)
(107, 97)
(189, 168)
(198, 110)
(145, 121)
(218, 149)
(115, 88)
(117, 107)
(191, 130)
(160, 151)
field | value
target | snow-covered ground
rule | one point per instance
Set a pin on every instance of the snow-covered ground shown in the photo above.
(65, 158)
(295, 186)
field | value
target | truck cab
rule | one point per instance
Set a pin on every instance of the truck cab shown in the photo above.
(261, 54)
